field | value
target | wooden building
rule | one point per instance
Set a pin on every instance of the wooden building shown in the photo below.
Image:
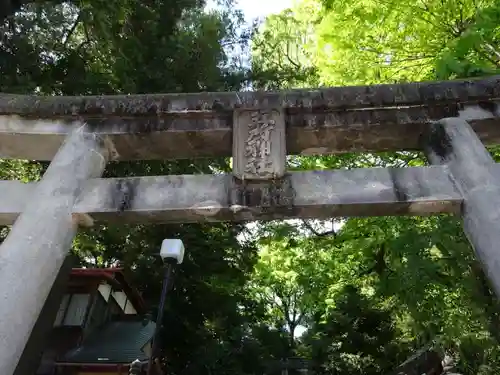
(99, 328)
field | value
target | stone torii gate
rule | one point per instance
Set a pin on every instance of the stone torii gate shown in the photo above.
(448, 120)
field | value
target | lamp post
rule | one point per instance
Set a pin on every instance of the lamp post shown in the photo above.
(172, 253)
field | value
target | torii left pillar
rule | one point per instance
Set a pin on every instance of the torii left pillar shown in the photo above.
(34, 251)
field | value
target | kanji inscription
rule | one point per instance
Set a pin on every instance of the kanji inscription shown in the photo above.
(259, 151)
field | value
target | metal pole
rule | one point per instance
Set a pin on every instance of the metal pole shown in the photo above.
(34, 251)
(169, 266)
(453, 143)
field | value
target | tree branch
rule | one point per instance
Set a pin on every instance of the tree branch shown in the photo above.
(332, 232)
(73, 28)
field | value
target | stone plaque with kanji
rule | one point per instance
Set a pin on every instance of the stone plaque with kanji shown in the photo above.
(259, 144)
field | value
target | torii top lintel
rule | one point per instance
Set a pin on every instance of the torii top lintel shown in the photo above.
(317, 121)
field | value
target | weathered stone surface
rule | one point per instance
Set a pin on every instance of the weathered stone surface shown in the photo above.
(259, 144)
(32, 360)
(188, 136)
(336, 98)
(40, 240)
(198, 198)
(177, 126)
(452, 143)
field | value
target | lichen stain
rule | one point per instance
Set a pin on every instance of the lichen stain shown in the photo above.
(439, 141)
(123, 193)
(398, 189)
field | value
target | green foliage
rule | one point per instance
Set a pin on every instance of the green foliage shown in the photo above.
(280, 53)
(367, 42)
(367, 292)
(355, 338)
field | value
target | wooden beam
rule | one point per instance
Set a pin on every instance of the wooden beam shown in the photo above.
(198, 198)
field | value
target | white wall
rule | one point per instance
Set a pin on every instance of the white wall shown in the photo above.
(78, 305)
(76, 311)
(62, 310)
(121, 299)
(105, 290)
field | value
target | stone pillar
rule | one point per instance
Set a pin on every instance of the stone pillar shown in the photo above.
(35, 250)
(259, 144)
(453, 143)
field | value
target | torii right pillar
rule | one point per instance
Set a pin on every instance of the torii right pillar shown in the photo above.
(452, 142)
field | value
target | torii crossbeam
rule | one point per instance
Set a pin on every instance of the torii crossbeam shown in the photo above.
(449, 121)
